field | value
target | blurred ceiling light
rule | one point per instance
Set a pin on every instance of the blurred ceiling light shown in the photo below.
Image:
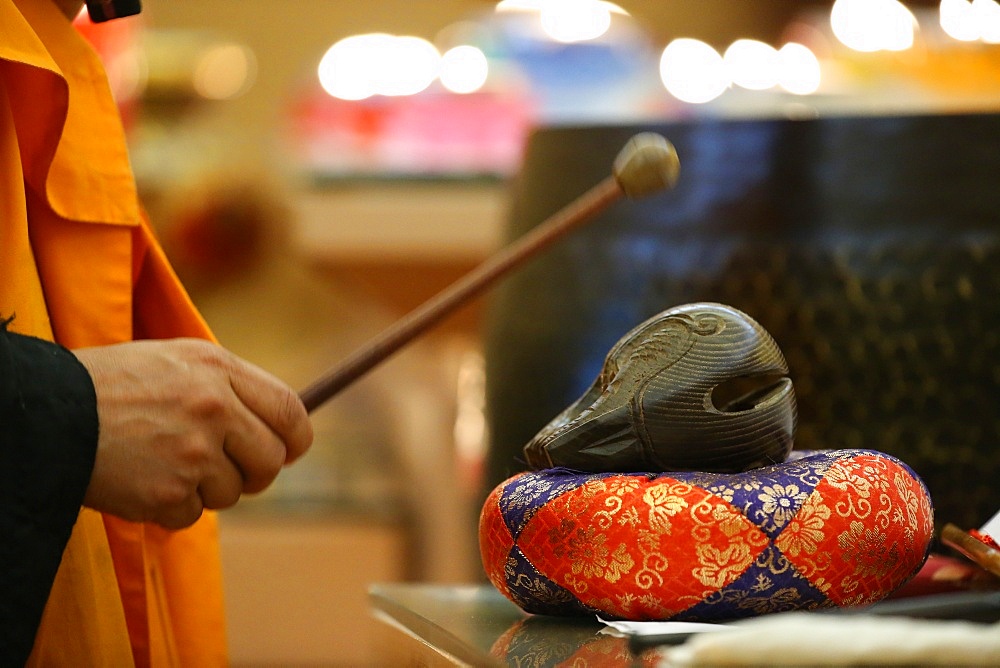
(799, 70)
(416, 67)
(348, 70)
(692, 71)
(518, 6)
(571, 21)
(224, 71)
(873, 25)
(958, 20)
(180, 64)
(988, 16)
(360, 66)
(464, 69)
(538, 5)
(752, 64)
(971, 21)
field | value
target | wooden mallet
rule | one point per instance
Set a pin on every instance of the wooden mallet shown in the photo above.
(647, 164)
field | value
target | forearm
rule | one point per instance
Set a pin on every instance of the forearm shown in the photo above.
(48, 439)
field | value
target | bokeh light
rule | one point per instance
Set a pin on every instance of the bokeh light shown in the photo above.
(574, 20)
(519, 6)
(539, 5)
(360, 66)
(873, 25)
(415, 67)
(987, 13)
(464, 69)
(799, 70)
(224, 71)
(752, 64)
(692, 71)
(958, 20)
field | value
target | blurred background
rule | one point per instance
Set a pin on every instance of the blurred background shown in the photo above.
(318, 168)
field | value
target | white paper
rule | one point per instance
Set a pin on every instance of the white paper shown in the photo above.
(661, 628)
(794, 638)
(992, 527)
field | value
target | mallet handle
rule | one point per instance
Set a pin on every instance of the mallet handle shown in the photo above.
(573, 215)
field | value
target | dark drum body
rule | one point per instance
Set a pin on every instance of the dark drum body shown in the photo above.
(868, 247)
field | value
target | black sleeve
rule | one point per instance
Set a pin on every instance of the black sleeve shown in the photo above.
(48, 439)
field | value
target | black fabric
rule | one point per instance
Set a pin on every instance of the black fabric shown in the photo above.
(48, 440)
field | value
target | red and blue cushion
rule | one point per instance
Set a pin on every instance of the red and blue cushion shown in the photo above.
(823, 529)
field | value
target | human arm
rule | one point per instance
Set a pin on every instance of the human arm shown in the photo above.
(48, 439)
(186, 425)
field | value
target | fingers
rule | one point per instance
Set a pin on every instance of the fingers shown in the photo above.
(263, 421)
(254, 451)
(217, 484)
(186, 425)
(276, 405)
(222, 486)
(181, 515)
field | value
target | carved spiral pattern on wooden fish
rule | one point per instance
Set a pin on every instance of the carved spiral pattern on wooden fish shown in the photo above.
(698, 387)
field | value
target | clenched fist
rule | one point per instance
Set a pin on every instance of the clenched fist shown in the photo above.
(186, 425)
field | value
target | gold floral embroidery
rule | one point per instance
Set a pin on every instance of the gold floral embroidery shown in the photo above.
(654, 561)
(908, 500)
(729, 523)
(773, 561)
(604, 519)
(580, 501)
(621, 563)
(537, 589)
(844, 476)
(866, 549)
(677, 546)
(719, 567)
(804, 535)
(762, 584)
(587, 552)
(656, 605)
(662, 506)
(877, 475)
(781, 502)
(856, 500)
(591, 488)
(625, 599)
(851, 505)
(821, 585)
(645, 606)
(623, 486)
(528, 489)
(724, 492)
(573, 584)
(758, 601)
(630, 517)
(718, 524)
(786, 598)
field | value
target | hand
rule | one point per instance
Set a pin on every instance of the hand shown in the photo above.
(186, 425)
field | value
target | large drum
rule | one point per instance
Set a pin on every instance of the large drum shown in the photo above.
(869, 247)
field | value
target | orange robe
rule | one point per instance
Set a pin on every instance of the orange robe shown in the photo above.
(79, 266)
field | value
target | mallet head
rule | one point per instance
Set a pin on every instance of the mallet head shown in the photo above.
(647, 164)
